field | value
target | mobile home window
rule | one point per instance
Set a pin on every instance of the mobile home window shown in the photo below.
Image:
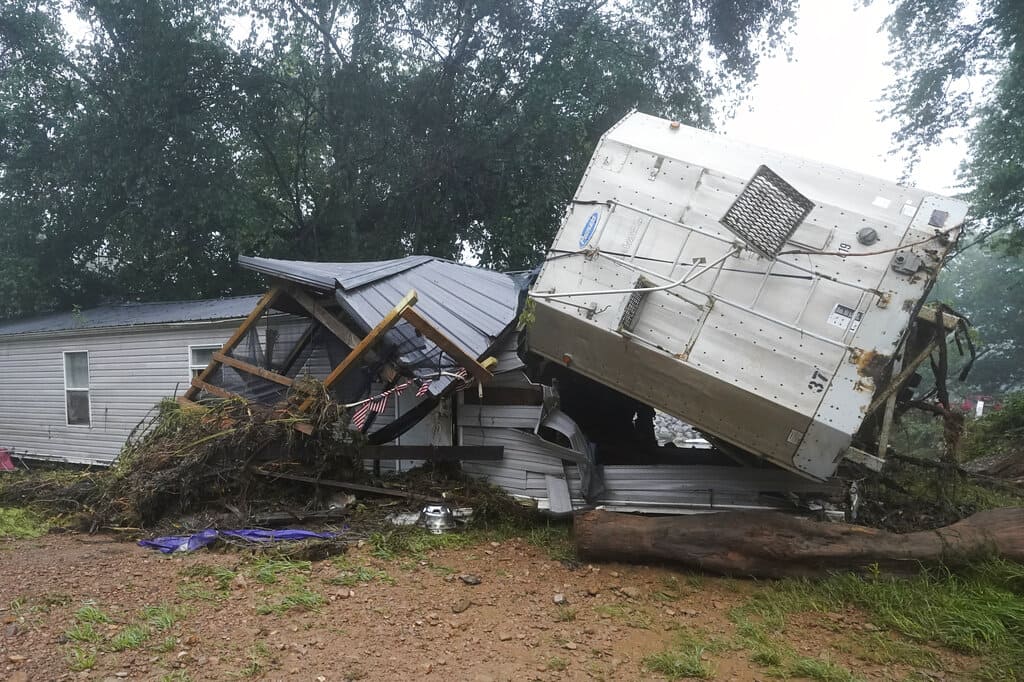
(199, 357)
(76, 388)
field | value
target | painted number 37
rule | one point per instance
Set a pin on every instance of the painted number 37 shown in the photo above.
(818, 381)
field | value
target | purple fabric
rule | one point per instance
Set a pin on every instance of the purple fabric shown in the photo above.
(189, 543)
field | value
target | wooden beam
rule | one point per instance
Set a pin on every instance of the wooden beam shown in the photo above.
(345, 485)
(230, 344)
(335, 326)
(435, 453)
(447, 345)
(200, 385)
(898, 381)
(251, 369)
(365, 343)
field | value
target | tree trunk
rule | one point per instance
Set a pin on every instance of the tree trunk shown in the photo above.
(776, 545)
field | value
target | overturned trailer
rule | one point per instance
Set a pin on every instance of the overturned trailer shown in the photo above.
(773, 302)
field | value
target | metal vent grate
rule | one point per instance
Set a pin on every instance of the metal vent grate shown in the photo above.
(767, 212)
(631, 311)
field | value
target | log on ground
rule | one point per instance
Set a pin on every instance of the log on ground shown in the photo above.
(777, 545)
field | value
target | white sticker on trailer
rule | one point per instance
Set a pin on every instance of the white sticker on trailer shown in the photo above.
(842, 316)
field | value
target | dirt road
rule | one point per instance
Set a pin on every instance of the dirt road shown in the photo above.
(94, 607)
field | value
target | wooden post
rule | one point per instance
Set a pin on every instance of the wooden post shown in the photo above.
(364, 345)
(230, 344)
(243, 366)
(447, 345)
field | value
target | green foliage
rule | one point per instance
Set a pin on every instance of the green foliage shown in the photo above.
(351, 575)
(298, 598)
(221, 575)
(130, 637)
(998, 432)
(83, 632)
(145, 154)
(161, 617)
(90, 613)
(682, 659)
(267, 570)
(979, 613)
(81, 658)
(21, 523)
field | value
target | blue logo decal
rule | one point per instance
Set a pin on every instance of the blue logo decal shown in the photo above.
(589, 229)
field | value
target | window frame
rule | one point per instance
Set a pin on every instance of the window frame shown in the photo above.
(200, 346)
(87, 390)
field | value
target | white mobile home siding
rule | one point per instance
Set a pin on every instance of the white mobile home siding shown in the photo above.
(130, 371)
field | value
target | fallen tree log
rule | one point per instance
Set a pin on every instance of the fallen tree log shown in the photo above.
(777, 545)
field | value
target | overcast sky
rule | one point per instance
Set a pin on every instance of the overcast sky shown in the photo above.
(824, 103)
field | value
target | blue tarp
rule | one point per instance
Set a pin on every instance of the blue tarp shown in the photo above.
(189, 543)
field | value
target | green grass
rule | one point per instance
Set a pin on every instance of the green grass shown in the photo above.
(166, 645)
(820, 669)
(131, 637)
(883, 649)
(257, 661)
(81, 658)
(565, 614)
(627, 615)
(682, 659)
(19, 524)
(222, 576)
(90, 613)
(268, 570)
(176, 676)
(354, 574)
(196, 592)
(557, 663)
(161, 617)
(777, 657)
(83, 632)
(553, 538)
(300, 598)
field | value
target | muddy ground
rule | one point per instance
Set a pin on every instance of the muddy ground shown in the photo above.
(98, 607)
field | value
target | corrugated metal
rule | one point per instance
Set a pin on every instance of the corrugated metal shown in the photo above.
(133, 314)
(328, 276)
(471, 306)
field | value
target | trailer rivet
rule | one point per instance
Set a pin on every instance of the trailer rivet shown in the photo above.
(567, 359)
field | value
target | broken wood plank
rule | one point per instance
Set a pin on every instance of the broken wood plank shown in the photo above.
(345, 485)
(365, 343)
(424, 326)
(779, 545)
(435, 453)
(229, 345)
(243, 366)
(200, 385)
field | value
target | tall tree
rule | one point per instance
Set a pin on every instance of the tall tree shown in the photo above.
(144, 156)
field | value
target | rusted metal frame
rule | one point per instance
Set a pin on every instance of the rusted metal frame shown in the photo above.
(243, 366)
(360, 349)
(423, 326)
(229, 345)
(348, 337)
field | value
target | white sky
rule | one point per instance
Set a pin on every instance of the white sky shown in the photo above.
(824, 104)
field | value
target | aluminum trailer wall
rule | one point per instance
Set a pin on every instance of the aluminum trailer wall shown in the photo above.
(778, 354)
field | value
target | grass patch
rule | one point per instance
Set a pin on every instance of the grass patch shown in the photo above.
(565, 614)
(90, 613)
(18, 524)
(161, 617)
(777, 657)
(222, 576)
(553, 538)
(682, 659)
(300, 598)
(352, 575)
(267, 570)
(256, 665)
(628, 616)
(882, 649)
(557, 663)
(980, 613)
(81, 658)
(131, 637)
(166, 645)
(196, 592)
(83, 632)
